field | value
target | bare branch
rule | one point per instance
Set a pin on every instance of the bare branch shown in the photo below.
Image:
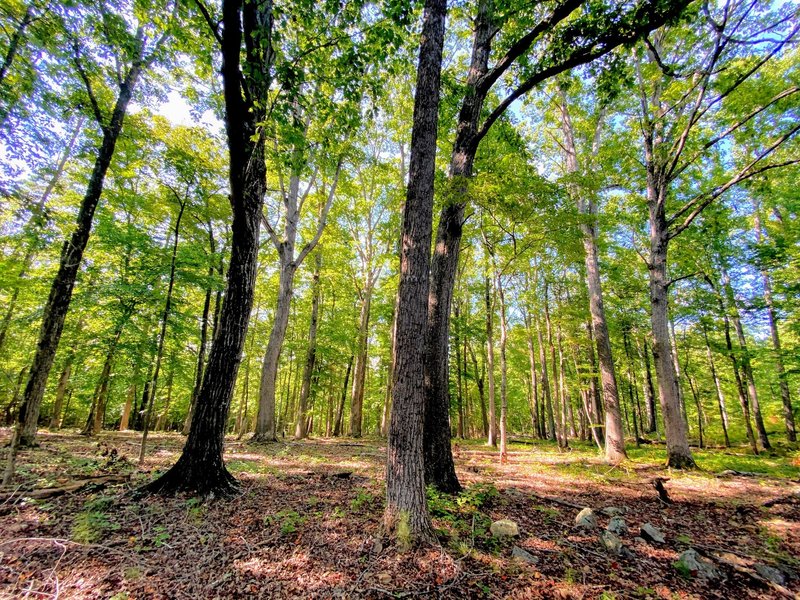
(323, 217)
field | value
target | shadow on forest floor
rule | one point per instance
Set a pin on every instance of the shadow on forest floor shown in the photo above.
(307, 524)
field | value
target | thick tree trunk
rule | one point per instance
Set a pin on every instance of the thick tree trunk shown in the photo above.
(311, 354)
(55, 310)
(678, 453)
(201, 469)
(406, 512)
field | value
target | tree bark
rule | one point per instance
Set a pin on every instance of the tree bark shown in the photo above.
(406, 514)
(337, 427)
(492, 440)
(311, 354)
(650, 395)
(357, 396)
(55, 310)
(679, 455)
(201, 468)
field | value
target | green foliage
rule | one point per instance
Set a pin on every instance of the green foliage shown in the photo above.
(94, 522)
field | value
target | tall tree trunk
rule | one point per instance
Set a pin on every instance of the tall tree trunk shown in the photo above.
(406, 512)
(337, 427)
(459, 381)
(492, 441)
(723, 411)
(126, 411)
(479, 381)
(548, 398)
(747, 368)
(357, 395)
(55, 310)
(786, 398)
(650, 396)
(678, 453)
(265, 425)
(201, 351)
(503, 371)
(534, 383)
(61, 391)
(201, 469)
(162, 334)
(311, 354)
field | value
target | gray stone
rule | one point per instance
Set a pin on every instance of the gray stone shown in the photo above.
(617, 525)
(770, 573)
(586, 519)
(611, 542)
(504, 528)
(613, 511)
(651, 534)
(691, 563)
(523, 555)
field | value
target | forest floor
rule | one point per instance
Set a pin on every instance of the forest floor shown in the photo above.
(307, 525)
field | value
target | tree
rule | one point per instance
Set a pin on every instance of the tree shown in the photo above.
(133, 54)
(200, 468)
(406, 513)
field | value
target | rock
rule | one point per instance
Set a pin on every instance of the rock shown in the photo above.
(639, 540)
(504, 528)
(377, 546)
(617, 525)
(384, 578)
(611, 542)
(586, 519)
(613, 511)
(770, 573)
(523, 555)
(691, 563)
(651, 534)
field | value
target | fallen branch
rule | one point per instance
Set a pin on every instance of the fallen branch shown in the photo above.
(99, 480)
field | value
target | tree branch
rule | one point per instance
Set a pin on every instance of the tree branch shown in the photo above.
(323, 217)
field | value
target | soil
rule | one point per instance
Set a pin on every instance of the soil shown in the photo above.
(308, 524)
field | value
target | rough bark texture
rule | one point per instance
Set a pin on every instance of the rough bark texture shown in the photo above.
(55, 310)
(678, 453)
(200, 468)
(406, 509)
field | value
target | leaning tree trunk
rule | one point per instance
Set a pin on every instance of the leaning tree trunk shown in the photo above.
(301, 430)
(265, 423)
(678, 453)
(55, 310)
(406, 512)
(201, 469)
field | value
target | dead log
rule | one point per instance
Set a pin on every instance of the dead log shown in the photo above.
(51, 492)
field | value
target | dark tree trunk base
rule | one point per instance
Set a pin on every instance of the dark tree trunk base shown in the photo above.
(262, 438)
(198, 478)
(679, 461)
